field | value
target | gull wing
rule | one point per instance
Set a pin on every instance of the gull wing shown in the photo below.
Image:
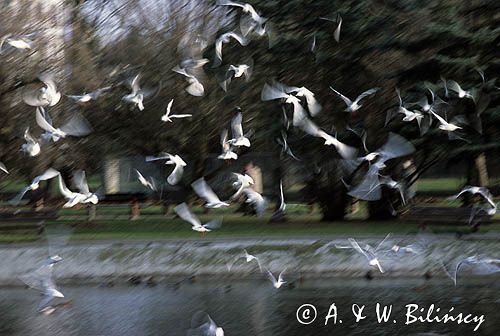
(134, 84)
(229, 3)
(81, 181)
(47, 175)
(169, 107)
(396, 146)
(299, 113)
(346, 100)
(223, 138)
(183, 212)
(42, 122)
(270, 275)
(64, 189)
(336, 33)
(204, 191)
(358, 248)
(163, 156)
(202, 325)
(365, 94)
(39, 279)
(280, 276)
(272, 92)
(312, 104)
(309, 127)
(369, 188)
(241, 39)
(454, 86)
(3, 168)
(282, 197)
(236, 127)
(176, 175)
(28, 137)
(15, 201)
(77, 126)
(213, 224)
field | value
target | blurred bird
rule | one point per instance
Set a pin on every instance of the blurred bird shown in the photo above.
(476, 264)
(237, 71)
(239, 139)
(195, 88)
(246, 7)
(345, 151)
(282, 206)
(431, 105)
(455, 87)
(203, 325)
(389, 182)
(225, 38)
(353, 106)
(81, 184)
(203, 190)
(35, 184)
(444, 125)
(20, 42)
(44, 96)
(183, 212)
(280, 91)
(249, 257)
(336, 33)
(42, 279)
(482, 191)
(277, 283)
(285, 148)
(148, 184)
(76, 126)
(86, 97)
(74, 198)
(227, 150)
(242, 182)
(408, 115)
(256, 199)
(31, 147)
(368, 252)
(312, 104)
(176, 174)
(369, 188)
(168, 117)
(137, 95)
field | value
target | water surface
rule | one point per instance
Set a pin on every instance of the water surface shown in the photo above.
(251, 307)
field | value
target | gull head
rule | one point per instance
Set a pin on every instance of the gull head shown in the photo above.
(395, 248)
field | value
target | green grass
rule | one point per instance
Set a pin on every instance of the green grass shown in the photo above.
(113, 222)
(235, 225)
(450, 185)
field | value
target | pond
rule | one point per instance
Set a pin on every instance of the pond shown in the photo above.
(254, 307)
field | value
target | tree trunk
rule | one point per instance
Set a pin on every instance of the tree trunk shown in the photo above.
(332, 195)
(482, 170)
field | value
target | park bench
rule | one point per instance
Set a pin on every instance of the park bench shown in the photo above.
(445, 216)
(24, 221)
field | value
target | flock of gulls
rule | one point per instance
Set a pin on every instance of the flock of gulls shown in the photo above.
(304, 106)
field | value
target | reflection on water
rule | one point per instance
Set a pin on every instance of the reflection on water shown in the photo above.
(249, 308)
